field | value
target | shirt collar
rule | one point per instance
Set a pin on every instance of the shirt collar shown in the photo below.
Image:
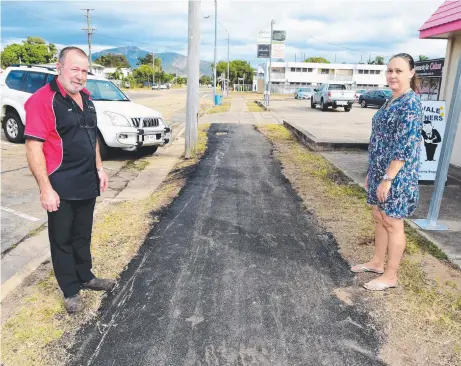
(57, 87)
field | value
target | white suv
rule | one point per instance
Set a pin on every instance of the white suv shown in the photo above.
(122, 124)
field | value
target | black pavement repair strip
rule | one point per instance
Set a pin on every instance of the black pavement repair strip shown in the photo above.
(235, 273)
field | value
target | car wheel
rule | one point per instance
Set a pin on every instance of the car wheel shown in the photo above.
(13, 127)
(323, 106)
(363, 104)
(312, 103)
(104, 150)
(347, 109)
(148, 150)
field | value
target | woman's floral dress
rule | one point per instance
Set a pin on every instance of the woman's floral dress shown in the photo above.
(396, 135)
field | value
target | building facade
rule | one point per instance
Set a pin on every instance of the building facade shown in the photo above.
(286, 77)
(445, 23)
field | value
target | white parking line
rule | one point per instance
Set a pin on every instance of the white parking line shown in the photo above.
(14, 212)
(205, 95)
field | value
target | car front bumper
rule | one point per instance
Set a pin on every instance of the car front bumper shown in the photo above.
(132, 137)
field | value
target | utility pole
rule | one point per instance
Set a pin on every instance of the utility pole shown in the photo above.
(193, 76)
(90, 33)
(270, 66)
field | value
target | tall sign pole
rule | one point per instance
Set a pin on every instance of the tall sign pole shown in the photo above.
(270, 66)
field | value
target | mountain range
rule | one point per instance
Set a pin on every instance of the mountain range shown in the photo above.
(173, 63)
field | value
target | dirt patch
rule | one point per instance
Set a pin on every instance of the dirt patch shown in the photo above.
(36, 329)
(422, 317)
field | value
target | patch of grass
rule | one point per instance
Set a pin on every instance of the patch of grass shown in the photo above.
(422, 310)
(40, 329)
(254, 107)
(225, 107)
(136, 165)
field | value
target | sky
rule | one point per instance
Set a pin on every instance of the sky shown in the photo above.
(345, 31)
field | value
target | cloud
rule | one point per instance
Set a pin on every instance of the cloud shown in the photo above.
(329, 28)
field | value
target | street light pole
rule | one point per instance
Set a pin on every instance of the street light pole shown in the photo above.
(228, 51)
(215, 41)
(228, 63)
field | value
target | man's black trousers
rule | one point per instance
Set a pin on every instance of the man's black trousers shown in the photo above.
(69, 230)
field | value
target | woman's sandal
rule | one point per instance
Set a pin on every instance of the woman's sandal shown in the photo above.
(377, 286)
(362, 268)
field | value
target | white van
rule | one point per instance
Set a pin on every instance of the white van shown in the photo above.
(122, 124)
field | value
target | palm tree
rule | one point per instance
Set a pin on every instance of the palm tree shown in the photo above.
(379, 60)
(423, 58)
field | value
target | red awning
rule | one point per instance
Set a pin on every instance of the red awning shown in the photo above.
(444, 22)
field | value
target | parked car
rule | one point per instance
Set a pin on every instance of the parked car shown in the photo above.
(358, 93)
(375, 97)
(122, 124)
(333, 95)
(304, 93)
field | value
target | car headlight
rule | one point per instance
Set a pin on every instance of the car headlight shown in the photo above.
(117, 119)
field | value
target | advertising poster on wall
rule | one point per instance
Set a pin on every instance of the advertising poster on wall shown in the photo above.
(433, 130)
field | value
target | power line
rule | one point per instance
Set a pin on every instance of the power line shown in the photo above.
(345, 47)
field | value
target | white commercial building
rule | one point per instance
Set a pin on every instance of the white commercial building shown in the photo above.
(287, 76)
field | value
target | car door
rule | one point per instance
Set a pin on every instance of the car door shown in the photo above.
(371, 98)
(380, 98)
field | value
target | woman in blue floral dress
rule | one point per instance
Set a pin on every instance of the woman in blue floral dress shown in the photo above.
(393, 172)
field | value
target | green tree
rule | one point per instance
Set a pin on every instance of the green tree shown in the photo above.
(143, 74)
(113, 60)
(206, 80)
(423, 58)
(34, 50)
(237, 69)
(181, 80)
(147, 60)
(317, 60)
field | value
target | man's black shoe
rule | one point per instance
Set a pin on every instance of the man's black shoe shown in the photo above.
(73, 304)
(99, 284)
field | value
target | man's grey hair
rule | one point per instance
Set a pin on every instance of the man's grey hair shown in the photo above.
(63, 53)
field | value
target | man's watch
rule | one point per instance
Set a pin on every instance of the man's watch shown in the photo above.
(387, 178)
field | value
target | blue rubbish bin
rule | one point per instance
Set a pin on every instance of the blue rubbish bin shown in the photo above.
(218, 99)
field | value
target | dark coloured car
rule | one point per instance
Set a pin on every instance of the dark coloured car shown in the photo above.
(375, 97)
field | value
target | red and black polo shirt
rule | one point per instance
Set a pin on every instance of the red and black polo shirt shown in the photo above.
(69, 136)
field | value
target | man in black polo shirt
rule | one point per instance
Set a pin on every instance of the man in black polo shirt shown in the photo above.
(63, 155)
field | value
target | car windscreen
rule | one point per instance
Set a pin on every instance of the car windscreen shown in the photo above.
(306, 90)
(338, 87)
(104, 90)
